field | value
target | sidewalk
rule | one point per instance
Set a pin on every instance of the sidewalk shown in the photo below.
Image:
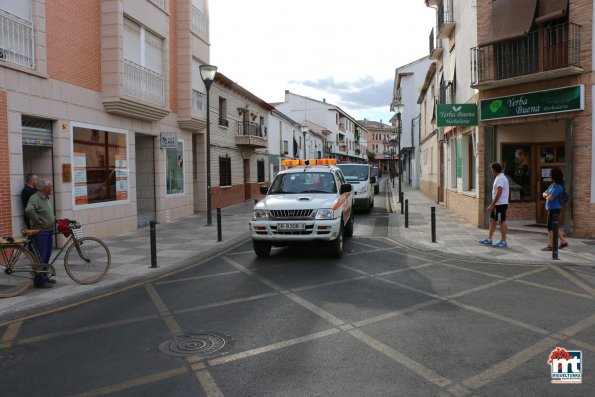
(179, 243)
(456, 237)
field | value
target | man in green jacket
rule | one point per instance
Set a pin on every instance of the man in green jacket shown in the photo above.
(41, 216)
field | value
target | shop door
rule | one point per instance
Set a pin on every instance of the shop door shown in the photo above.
(247, 179)
(145, 180)
(549, 156)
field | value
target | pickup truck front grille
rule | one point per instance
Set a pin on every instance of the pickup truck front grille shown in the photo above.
(292, 214)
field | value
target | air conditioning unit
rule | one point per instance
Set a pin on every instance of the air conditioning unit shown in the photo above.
(440, 135)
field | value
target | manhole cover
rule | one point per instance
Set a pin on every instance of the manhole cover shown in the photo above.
(12, 355)
(207, 344)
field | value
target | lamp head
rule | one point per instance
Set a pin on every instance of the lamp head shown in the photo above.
(207, 74)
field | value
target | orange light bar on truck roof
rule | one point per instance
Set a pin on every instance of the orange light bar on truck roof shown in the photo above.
(291, 163)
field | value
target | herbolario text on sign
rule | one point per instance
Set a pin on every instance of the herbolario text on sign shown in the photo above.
(557, 100)
(456, 115)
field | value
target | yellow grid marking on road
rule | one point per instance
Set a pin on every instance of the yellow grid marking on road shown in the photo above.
(208, 384)
(410, 288)
(252, 274)
(225, 303)
(475, 289)
(504, 367)
(207, 276)
(502, 318)
(167, 317)
(10, 335)
(87, 329)
(562, 291)
(406, 269)
(197, 366)
(314, 286)
(579, 283)
(316, 310)
(583, 345)
(418, 368)
(396, 313)
(273, 347)
(102, 391)
(579, 326)
(459, 390)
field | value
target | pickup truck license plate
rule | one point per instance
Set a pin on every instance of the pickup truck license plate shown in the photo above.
(291, 226)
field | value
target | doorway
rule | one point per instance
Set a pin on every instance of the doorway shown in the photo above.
(549, 156)
(247, 188)
(146, 197)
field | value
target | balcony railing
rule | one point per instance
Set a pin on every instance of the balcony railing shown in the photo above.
(543, 50)
(447, 93)
(254, 129)
(445, 18)
(159, 3)
(143, 83)
(200, 24)
(199, 107)
(16, 40)
(435, 45)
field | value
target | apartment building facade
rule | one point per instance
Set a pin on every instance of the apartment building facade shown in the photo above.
(104, 99)
(380, 137)
(283, 140)
(534, 76)
(239, 145)
(339, 134)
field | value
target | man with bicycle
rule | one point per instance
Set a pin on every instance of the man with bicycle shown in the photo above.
(41, 216)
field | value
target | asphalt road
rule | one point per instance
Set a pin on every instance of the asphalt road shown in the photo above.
(385, 320)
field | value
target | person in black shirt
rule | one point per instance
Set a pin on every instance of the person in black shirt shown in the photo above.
(29, 190)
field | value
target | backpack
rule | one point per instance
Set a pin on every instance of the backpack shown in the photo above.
(564, 197)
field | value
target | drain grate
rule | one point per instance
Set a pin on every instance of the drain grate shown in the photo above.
(12, 355)
(204, 344)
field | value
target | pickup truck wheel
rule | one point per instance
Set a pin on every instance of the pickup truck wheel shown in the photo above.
(337, 244)
(261, 248)
(349, 227)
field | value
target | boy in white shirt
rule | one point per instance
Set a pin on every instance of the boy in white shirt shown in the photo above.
(498, 206)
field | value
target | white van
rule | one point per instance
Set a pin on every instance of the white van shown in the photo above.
(360, 176)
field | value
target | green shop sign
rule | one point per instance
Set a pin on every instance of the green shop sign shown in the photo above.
(456, 115)
(558, 100)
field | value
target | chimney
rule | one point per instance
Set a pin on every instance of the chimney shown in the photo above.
(324, 100)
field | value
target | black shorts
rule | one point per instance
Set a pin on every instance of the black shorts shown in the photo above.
(550, 218)
(499, 213)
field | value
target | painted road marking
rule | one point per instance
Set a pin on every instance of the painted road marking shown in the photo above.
(225, 303)
(168, 318)
(574, 280)
(208, 384)
(10, 335)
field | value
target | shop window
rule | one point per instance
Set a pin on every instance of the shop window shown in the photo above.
(285, 147)
(224, 170)
(260, 170)
(100, 165)
(174, 169)
(518, 168)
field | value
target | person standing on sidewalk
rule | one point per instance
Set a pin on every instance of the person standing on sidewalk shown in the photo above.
(41, 215)
(29, 190)
(498, 206)
(553, 206)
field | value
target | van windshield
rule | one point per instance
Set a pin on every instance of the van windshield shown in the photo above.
(355, 172)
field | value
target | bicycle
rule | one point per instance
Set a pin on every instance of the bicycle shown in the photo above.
(20, 260)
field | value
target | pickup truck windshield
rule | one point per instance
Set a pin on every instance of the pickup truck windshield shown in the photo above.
(304, 182)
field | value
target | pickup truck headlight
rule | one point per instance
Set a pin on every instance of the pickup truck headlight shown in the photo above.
(325, 213)
(260, 215)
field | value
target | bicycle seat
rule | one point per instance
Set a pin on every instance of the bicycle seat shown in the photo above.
(30, 232)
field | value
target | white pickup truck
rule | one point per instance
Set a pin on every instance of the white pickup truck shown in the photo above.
(305, 203)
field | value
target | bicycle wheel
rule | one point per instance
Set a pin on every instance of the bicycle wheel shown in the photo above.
(16, 270)
(91, 264)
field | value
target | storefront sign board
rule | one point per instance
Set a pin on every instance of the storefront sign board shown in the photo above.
(456, 115)
(168, 140)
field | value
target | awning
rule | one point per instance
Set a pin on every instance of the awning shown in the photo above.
(510, 19)
(548, 10)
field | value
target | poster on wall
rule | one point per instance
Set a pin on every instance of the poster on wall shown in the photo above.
(121, 177)
(80, 178)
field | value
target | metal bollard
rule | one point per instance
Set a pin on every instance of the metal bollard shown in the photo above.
(153, 245)
(406, 214)
(433, 223)
(401, 200)
(555, 238)
(255, 201)
(219, 237)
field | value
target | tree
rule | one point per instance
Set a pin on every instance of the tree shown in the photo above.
(371, 156)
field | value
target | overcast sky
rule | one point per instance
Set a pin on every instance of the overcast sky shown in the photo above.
(343, 50)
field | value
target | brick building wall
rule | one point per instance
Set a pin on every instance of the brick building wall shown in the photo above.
(464, 205)
(583, 211)
(73, 31)
(429, 189)
(227, 196)
(5, 194)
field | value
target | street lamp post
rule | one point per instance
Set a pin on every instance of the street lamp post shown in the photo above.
(304, 131)
(397, 106)
(207, 74)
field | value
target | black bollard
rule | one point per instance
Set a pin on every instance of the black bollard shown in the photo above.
(401, 200)
(406, 214)
(153, 245)
(555, 238)
(433, 223)
(255, 201)
(219, 237)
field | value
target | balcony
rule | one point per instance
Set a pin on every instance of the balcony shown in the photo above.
(446, 22)
(198, 113)
(251, 135)
(447, 93)
(328, 149)
(436, 49)
(142, 94)
(16, 41)
(542, 54)
(200, 25)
